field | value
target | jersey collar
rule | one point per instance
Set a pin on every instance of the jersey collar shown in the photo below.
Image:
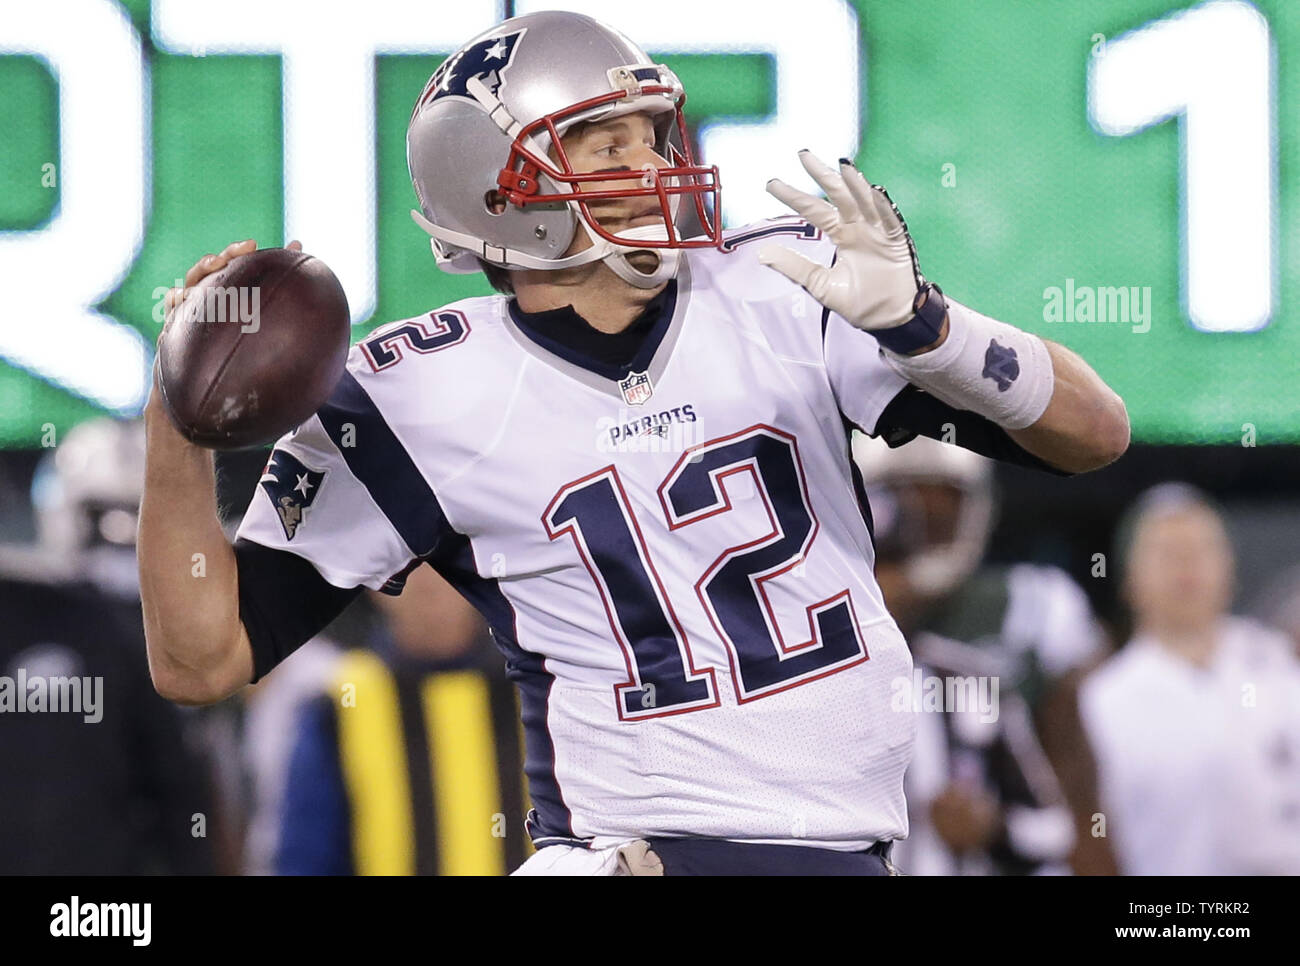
(566, 334)
(663, 315)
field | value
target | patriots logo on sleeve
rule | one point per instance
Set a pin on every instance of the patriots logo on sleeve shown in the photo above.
(485, 60)
(292, 488)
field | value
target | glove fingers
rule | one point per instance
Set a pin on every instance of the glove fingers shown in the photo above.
(864, 196)
(813, 209)
(830, 181)
(890, 217)
(798, 269)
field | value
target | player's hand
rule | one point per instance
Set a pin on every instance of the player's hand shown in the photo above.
(965, 818)
(200, 270)
(875, 278)
(204, 267)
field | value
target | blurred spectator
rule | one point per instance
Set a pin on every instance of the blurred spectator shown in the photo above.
(1196, 722)
(982, 795)
(410, 761)
(107, 784)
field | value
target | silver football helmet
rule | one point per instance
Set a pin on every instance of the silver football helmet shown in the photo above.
(488, 127)
(937, 555)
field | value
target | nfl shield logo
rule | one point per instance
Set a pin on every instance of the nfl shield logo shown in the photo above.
(636, 388)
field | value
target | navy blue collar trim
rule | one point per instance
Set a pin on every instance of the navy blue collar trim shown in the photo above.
(566, 334)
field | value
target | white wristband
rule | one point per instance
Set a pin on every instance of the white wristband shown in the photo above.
(985, 366)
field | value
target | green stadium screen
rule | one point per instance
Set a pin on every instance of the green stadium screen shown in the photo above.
(1118, 175)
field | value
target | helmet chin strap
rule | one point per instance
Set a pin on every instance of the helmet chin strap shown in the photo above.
(669, 259)
(615, 256)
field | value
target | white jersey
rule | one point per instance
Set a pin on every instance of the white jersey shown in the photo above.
(675, 562)
(1198, 767)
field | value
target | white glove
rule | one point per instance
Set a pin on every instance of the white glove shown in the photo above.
(875, 278)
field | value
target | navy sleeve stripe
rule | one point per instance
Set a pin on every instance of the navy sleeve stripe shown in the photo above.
(914, 412)
(382, 465)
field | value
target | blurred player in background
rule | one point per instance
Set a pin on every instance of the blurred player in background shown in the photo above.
(1196, 721)
(982, 796)
(409, 762)
(113, 789)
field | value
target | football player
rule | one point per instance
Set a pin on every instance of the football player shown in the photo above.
(983, 797)
(634, 460)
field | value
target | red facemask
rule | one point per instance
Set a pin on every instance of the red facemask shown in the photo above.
(519, 179)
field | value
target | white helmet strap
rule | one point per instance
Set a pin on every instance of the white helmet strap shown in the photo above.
(669, 258)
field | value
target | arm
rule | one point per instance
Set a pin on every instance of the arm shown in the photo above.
(1048, 400)
(1085, 425)
(199, 652)
(269, 600)
(1065, 741)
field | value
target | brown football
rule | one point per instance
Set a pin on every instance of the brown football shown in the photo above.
(254, 349)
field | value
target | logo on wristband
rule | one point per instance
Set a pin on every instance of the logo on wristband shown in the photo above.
(1000, 365)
